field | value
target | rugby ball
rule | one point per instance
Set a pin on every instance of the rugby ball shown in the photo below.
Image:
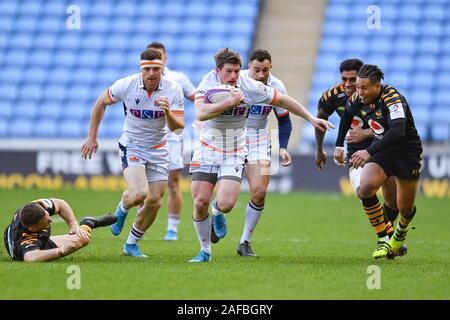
(218, 93)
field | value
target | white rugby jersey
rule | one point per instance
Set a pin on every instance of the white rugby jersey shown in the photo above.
(188, 90)
(258, 117)
(226, 132)
(145, 124)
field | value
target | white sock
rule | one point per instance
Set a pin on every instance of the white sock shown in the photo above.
(215, 209)
(135, 235)
(122, 207)
(172, 222)
(252, 215)
(203, 229)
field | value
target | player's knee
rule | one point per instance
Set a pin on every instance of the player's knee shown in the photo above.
(259, 195)
(366, 190)
(137, 196)
(201, 203)
(174, 186)
(225, 206)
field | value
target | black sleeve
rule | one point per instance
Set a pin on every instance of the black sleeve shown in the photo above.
(325, 105)
(395, 132)
(24, 247)
(47, 204)
(345, 124)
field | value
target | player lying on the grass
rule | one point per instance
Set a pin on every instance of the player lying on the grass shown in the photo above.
(359, 137)
(28, 237)
(259, 145)
(396, 151)
(219, 154)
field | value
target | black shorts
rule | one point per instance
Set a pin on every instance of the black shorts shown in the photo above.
(403, 165)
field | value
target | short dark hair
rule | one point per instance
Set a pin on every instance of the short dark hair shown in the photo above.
(157, 45)
(260, 55)
(350, 65)
(227, 55)
(372, 72)
(151, 54)
(31, 214)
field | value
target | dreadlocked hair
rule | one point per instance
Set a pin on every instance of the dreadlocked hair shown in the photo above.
(372, 72)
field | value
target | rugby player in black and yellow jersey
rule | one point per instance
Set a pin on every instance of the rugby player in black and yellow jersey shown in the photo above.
(396, 151)
(28, 237)
(360, 137)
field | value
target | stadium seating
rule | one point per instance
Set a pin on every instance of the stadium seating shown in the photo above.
(412, 47)
(51, 75)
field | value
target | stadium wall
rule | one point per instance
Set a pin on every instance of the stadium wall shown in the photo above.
(65, 169)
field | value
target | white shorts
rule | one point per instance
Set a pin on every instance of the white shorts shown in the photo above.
(152, 160)
(175, 155)
(355, 177)
(258, 147)
(210, 161)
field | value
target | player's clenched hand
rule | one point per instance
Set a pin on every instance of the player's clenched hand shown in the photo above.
(321, 159)
(235, 98)
(359, 158)
(90, 146)
(321, 124)
(286, 158)
(164, 104)
(339, 156)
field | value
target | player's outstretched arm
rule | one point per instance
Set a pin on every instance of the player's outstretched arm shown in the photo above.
(321, 156)
(63, 209)
(91, 144)
(205, 111)
(298, 109)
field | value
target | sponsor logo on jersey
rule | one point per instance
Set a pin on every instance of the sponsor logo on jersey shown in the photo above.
(357, 122)
(376, 126)
(137, 101)
(260, 110)
(147, 114)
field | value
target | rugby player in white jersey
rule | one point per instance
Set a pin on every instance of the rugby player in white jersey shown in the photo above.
(259, 145)
(219, 154)
(175, 142)
(151, 101)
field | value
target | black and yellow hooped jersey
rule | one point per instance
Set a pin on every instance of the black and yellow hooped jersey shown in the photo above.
(388, 108)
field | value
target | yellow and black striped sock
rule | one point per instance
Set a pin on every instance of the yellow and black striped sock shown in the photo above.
(86, 228)
(389, 214)
(375, 213)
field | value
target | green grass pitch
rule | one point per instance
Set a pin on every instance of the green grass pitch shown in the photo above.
(309, 246)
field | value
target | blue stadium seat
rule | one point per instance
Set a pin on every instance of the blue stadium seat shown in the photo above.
(402, 62)
(441, 101)
(69, 41)
(429, 45)
(431, 29)
(423, 131)
(71, 129)
(52, 24)
(126, 9)
(8, 7)
(426, 62)
(334, 28)
(440, 132)
(435, 11)
(410, 11)
(55, 92)
(333, 45)
(340, 10)
(408, 28)
(55, 7)
(26, 24)
(42, 58)
(45, 41)
(102, 9)
(6, 24)
(97, 42)
(122, 25)
(21, 128)
(405, 45)
(3, 127)
(246, 10)
(31, 91)
(443, 80)
(51, 110)
(64, 58)
(6, 109)
(8, 91)
(31, 7)
(12, 74)
(22, 41)
(421, 99)
(45, 128)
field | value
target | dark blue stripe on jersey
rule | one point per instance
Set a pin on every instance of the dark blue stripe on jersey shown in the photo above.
(124, 156)
(285, 129)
